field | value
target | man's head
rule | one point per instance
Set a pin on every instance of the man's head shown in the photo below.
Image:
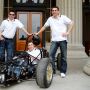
(11, 14)
(55, 11)
(30, 46)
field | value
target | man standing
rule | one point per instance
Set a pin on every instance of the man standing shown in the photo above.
(7, 32)
(60, 26)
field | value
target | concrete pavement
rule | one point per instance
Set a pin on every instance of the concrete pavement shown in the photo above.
(74, 80)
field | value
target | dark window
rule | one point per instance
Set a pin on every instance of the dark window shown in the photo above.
(87, 2)
(7, 7)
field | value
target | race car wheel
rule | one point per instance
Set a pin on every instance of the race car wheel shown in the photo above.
(44, 73)
(58, 61)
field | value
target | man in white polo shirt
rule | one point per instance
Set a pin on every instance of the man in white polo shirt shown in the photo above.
(7, 32)
(58, 25)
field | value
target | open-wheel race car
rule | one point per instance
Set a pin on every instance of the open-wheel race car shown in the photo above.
(21, 67)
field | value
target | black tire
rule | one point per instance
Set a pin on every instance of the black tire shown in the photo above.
(58, 61)
(44, 73)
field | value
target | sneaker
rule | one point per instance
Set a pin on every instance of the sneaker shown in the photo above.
(63, 75)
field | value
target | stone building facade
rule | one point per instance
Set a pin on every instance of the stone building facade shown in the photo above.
(73, 9)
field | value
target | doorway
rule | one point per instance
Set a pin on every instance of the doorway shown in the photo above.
(32, 22)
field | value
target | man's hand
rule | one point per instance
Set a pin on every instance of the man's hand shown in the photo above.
(30, 34)
(65, 34)
(36, 33)
(1, 38)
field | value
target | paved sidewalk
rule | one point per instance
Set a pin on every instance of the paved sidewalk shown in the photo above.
(75, 79)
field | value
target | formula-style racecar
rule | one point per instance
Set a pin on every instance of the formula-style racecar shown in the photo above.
(22, 68)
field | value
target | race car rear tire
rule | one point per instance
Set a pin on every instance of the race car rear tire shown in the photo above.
(44, 73)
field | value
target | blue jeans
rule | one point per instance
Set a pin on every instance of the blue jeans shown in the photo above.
(6, 44)
(53, 49)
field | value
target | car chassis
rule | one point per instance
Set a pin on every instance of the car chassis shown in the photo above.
(22, 68)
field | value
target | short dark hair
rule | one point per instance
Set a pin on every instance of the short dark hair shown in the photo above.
(11, 10)
(56, 7)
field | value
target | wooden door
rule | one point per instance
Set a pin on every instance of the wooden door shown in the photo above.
(32, 22)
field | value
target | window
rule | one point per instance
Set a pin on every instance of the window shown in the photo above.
(87, 1)
(34, 3)
(8, 4)
(29, 1)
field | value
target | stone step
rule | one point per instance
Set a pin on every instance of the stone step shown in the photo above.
(72, 53)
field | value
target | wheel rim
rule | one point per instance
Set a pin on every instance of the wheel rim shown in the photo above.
(49, 73)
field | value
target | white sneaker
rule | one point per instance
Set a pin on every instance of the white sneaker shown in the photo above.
(63, 75)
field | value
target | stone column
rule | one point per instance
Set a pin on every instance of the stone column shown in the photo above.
(73, 9)
(1, 10)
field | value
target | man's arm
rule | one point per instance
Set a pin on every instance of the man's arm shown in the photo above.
(25, 31)
(70, 27)
(0, 34)
(41, 30)
(1, 30)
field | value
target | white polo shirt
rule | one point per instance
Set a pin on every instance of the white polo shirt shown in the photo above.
(35, 53)
(58, 26)
(8, 27)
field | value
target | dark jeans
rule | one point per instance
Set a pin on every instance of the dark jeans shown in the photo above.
(6, 44)
(63, 48)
